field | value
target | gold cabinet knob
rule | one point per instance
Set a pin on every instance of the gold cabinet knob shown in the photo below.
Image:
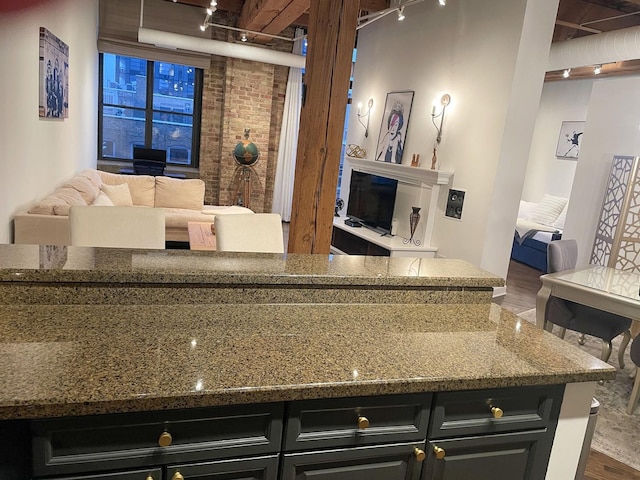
(363, 422)
(177, 476)
(165, 439)
(149, 477)
(419, 454)
(496, 412)
(439, 452)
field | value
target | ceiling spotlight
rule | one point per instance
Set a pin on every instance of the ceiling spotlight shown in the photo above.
(566, 73)
(243, 37)
(442, 2)
(203, 27)
(209, 11)
(597, 69)
(214, 3)
(401, 13)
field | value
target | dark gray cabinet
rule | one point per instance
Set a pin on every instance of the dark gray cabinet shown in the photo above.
(501, 434)
(483, 434)
(379, 462)
(513, 456)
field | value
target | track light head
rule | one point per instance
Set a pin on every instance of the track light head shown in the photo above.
(243, 37)
(566, 73)
(597, 69)
(203, 27)
(401, 13)
(442, 2)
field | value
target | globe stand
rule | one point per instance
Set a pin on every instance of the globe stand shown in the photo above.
(243, 186)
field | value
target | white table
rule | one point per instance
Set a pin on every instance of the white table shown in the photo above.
(605, 288)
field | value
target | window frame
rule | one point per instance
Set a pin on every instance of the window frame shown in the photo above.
(194, 147)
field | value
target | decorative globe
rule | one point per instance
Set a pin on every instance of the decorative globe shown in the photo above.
(246, 152)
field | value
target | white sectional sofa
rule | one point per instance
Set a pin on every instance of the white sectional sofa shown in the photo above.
(47, 221)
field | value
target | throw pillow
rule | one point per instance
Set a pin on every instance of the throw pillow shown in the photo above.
(177, 193)
(118, 194)
(102, 200)
(559, 223)
(547, 211)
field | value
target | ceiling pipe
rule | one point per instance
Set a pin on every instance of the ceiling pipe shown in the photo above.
(214, 47)
(598, 49)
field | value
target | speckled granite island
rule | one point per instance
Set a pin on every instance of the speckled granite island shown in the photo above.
(262, 364)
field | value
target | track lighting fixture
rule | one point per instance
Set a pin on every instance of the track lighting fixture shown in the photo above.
(597, 69)
(243, 37)
(566, 73)
(214, 3)
(203, 27)
(442, 2)
(401, 13)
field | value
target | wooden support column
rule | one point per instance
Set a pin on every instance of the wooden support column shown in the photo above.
(331, 37)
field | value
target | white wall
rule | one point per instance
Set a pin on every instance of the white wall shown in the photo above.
(37, 154)
(561, 101)
(494, 82)
(612, 128)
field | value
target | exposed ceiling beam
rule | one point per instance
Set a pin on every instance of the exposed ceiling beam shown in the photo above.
(258, 14)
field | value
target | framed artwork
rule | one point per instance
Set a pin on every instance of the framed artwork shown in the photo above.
(54, 76)
(570, 140)
(393, 127)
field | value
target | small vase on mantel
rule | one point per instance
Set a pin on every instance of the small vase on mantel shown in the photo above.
(414, 219)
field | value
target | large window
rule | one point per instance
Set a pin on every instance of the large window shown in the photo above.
(149, 104)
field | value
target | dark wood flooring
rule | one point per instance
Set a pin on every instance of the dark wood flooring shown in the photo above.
(523, 283)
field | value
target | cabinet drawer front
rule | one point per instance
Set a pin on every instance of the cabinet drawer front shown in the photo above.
(130, 440)
(470, 413)
(260, 468)
(506, 456)
(338, 422)
(380, 462)
(152, 474)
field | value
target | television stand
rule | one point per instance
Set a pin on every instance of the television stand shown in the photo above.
(346, 240)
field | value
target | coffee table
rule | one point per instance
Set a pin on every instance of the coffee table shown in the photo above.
(201, 236)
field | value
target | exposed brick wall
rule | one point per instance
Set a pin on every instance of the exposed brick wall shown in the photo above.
(239, 94)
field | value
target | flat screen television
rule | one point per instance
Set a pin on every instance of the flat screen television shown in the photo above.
(371, 200)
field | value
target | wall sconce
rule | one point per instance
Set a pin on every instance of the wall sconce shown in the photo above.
(366, 114)
(444, 101)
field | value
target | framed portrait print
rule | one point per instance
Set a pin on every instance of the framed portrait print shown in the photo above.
(570, 140)
(54, 76)
(393, 127)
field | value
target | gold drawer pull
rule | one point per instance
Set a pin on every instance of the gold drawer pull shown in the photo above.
(165, 439)
(177, 476)
(363, 422)
(496, 412)
(420, 455)
(149, 477)
(439, 452)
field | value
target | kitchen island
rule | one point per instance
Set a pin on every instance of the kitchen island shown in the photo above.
(72, 364)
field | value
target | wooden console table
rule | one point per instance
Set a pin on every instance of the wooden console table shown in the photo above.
(201, 236)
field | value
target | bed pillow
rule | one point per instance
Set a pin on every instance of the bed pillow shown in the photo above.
(559, 223)
(118, 194)
(547, 211)
(525, 209)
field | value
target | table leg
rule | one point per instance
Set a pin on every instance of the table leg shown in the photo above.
(541, 305)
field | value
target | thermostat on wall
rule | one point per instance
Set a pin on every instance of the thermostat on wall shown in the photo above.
(455, 201)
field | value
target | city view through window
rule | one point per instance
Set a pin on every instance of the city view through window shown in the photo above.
(149, 104)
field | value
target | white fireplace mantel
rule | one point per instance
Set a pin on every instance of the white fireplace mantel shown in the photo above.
(403, 173)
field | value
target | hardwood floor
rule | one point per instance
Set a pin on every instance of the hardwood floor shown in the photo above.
(523, 283)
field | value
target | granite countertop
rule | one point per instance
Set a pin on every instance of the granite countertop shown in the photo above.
(58, 360)
(33, 263)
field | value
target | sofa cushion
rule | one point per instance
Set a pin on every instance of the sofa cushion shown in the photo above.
(177, 193)
(102, 200)
(63, 196)
(178, 217)
(142, 187)
(92, 175)
(85, 187)
(118, 194)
